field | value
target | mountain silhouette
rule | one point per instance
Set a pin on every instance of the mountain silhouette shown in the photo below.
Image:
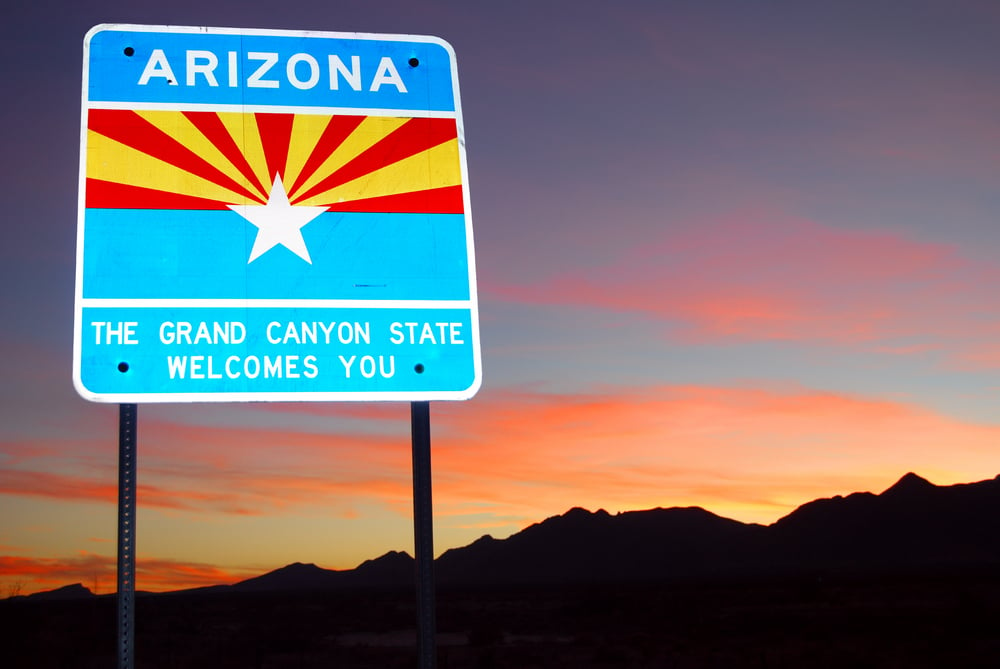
(904, 577)
(390, 570)
(75, 591)
(912, 525)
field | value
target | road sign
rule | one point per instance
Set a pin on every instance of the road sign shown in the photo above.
(272, 215)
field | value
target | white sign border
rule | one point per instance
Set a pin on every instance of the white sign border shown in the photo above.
(347, 396)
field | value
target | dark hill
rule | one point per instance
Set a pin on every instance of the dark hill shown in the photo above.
(914, 524)
(591, 547)
(393, 569)
(911, 485)
(390, 570)
(75, 591)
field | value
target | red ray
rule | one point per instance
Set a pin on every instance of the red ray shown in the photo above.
(447, 200)
(414, 136)
(212, 127)
(127, 127)
(110, 195)
(275, 135)
(337, 130)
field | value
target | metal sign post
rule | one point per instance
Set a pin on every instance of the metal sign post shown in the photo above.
(127, 429)
(423, 533)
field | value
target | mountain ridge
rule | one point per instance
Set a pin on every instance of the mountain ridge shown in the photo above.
(913, 524)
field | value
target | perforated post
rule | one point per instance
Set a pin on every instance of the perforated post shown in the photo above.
(127, 428)
(423, 533)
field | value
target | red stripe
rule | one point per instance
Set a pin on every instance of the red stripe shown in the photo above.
(447, 200)
(414, 136)
(337, 130)
(215, 131)
(275, 135)
(110, 195)
(129, 128)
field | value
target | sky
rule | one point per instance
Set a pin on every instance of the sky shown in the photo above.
(735, 255)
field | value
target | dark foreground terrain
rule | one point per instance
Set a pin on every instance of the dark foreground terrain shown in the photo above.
(916, 620)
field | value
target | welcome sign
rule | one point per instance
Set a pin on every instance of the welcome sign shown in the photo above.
(272, 215)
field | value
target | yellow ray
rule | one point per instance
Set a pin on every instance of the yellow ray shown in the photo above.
(306, 131)
(180, 128)
(113, 161)
(368, 132)
(435, 168)
(243, 129)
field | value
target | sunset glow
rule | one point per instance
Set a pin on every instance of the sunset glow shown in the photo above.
(726, 256)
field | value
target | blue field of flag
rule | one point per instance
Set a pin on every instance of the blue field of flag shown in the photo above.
(149, 254)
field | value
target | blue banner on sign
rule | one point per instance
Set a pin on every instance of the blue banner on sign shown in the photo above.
(247, 69)
(272, 351)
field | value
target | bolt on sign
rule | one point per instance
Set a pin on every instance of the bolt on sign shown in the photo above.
(272, 215)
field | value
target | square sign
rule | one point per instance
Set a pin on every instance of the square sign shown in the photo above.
(272, 215)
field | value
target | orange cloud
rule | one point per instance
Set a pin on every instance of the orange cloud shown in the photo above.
(239, 471)
(514, 456)
(158, 575)
(751, 453)
(266, 470)
(99, 573)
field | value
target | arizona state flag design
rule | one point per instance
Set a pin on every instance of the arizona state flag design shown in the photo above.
(208, 160)
(194, 175)
(272, 215)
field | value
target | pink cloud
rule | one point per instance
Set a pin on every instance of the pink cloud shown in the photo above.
(751, 277)
(249, 471)
(56, 486)
(72, 488)
(978, 357)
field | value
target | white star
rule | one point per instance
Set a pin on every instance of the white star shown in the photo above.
(278, 222)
